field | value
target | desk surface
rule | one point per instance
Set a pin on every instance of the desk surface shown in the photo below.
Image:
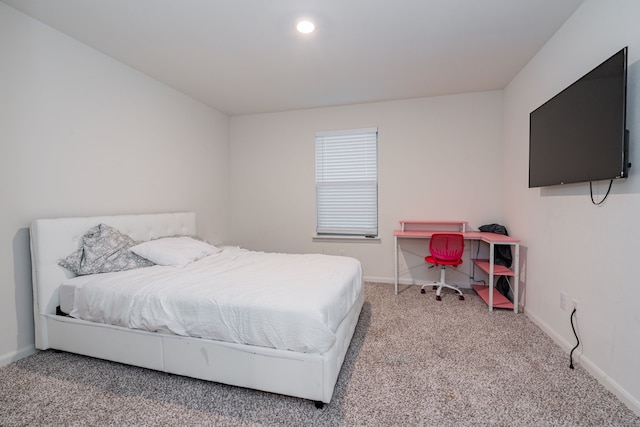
(469, 235)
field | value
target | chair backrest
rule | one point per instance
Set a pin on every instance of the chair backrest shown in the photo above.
(446, 246)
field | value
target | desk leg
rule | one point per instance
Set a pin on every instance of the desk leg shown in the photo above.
(395, 238)
(516, 278)
(491, 261)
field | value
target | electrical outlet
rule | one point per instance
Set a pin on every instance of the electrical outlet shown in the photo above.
(563, 300)
(574, 304)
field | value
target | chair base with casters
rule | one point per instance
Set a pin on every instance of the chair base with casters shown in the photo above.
(446, 249)
(437, 286)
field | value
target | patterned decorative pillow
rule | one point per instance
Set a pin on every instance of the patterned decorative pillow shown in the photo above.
(104, 250)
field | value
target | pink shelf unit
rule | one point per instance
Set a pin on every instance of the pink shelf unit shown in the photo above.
(498, 270)
(499, 300)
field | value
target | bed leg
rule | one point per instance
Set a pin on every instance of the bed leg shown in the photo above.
(319, 404)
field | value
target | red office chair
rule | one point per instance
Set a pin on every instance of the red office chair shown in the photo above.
(446, 249)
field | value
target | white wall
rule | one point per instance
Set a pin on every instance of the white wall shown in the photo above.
(82, 134)
(571, 245)
(438, 159)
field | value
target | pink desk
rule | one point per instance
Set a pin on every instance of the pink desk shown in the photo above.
(487, 265)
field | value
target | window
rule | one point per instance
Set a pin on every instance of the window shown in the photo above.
(347, 182)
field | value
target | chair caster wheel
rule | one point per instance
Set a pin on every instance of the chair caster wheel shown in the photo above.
(461, 298)
(434, 287)
(438, 298)
(422, 291)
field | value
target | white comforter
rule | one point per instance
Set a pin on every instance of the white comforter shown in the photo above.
(284, 301)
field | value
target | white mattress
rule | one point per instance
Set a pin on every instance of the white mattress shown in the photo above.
(284, 301)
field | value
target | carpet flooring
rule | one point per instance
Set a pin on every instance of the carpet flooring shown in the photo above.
(413, 361)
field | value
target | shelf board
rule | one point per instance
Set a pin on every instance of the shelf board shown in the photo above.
(499, 300)
(498, 270)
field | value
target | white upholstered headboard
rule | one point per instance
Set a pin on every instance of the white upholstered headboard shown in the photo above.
(53, 239)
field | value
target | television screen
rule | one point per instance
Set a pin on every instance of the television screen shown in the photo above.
(579, 134)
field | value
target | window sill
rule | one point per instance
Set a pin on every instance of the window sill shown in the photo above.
(354, 239)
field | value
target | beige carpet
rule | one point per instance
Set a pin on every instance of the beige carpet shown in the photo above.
(413, 361)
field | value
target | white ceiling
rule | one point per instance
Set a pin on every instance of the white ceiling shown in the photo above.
(244, 56)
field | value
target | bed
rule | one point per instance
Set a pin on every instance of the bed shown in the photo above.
(305, 370)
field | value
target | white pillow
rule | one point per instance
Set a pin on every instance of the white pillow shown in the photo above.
(174, 251)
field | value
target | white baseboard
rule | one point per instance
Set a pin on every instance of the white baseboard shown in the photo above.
(378, 279)
(8, 358)
(408, 282)
(601, 376)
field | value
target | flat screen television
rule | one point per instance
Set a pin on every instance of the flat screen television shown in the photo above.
(580, 134)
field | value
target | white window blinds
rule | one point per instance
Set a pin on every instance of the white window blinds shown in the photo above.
(347, 182)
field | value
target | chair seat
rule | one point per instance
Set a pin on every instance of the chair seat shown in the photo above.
(432, 260)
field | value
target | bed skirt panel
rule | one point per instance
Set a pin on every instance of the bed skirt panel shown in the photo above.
(108, 342)
(305, 375)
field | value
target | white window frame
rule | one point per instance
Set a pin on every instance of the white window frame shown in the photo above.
(347, 183)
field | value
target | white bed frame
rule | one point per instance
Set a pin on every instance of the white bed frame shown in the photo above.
(304, 375)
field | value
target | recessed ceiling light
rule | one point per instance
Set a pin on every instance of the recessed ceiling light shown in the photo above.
(305, 27)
